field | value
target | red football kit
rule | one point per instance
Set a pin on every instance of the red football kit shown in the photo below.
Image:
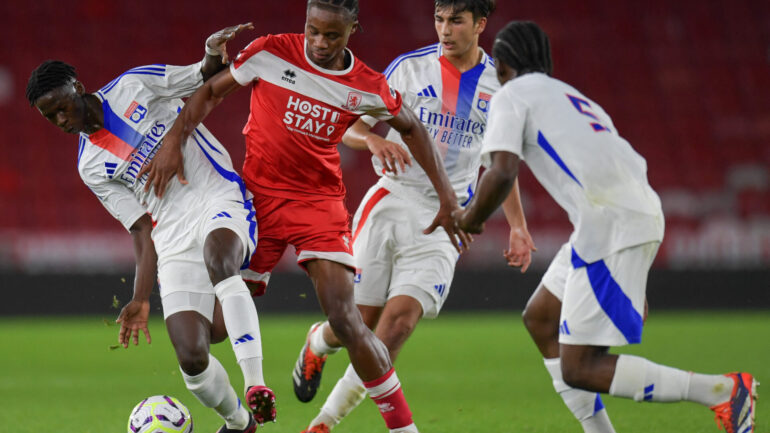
(298, 114)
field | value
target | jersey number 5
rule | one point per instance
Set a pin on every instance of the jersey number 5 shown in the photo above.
(584, 108)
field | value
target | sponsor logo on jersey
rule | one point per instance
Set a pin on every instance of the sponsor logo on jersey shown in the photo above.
(289, 76)
(451, 130)
(144, 153)
(428, 91)
(310, 119)
(354, 100)
(135, 112)
(483, 102)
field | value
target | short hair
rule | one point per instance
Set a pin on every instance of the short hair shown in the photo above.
(478, 8)
(50, 75)
(524, 46)
(348, 6)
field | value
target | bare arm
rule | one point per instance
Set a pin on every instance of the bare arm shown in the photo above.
(360, 137)
(133, 317)
(424, 151)
(520, 244)
(494, 187)
(168, 162)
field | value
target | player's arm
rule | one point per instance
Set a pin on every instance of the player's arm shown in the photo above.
(360, 136)
(520, 244)
(216, 50)
(495, 185)
(134, 315)
(168, 162)
(415, 136)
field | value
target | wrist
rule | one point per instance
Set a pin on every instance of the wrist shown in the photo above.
(211, 51)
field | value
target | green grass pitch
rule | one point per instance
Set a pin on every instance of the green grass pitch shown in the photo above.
(461, 373)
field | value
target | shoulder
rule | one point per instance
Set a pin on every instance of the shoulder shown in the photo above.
(413, 58)
(138, 74)
(277, 44)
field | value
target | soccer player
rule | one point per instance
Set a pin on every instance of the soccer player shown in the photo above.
(402, 274)
(195, 239)
(594, 290)
(307, 89)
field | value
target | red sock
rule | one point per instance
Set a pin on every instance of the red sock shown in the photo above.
(389, 398)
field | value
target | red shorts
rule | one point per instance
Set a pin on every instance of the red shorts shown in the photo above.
(318, 229)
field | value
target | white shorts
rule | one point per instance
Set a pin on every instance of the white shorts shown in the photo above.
(602, 302)
(181, 267)
(393, 257)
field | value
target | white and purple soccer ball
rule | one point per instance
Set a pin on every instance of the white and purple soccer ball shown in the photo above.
(160, 414)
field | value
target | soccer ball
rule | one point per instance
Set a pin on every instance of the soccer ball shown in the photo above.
(160, 414)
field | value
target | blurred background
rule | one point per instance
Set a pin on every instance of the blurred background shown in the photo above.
(686, 82)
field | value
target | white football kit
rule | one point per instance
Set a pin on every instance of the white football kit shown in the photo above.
(140, 106)
(575, 152)
(393, 257)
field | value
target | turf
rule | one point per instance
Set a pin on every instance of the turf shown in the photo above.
(461, 373)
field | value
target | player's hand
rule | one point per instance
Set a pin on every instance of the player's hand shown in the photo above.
(520, 248)
(389, 153)
(133, 318)
(461, 220)
(167, 163)
(445, 218)
(218, 40)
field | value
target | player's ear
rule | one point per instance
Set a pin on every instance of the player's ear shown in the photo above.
(79, 87)
(354, 28)
(481, 24)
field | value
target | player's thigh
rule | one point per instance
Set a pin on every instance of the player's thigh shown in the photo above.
(603, 303)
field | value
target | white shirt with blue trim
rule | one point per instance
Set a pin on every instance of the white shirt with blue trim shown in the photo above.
(575, 152)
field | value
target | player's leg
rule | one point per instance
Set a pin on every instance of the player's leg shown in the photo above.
(369, 356)
(230, 236)
(616, 287)
(541, 318)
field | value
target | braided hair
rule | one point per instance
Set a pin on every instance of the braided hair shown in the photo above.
(350, 7)
(478, 8)
(524, 46)
(50, 75)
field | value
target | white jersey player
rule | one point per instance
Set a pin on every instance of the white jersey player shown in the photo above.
(403, 274)
(195, 239)
(593, 294)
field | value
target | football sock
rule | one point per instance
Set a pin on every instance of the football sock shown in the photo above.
(389, 398)
(709, 389)
(585, 405)
(318, 345)
(348, 393)
(212, 388)
(242, 325)
(643, 380)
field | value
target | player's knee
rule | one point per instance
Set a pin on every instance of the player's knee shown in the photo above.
(193, 359)
(395, 334)
(345, 327)
(575, 374)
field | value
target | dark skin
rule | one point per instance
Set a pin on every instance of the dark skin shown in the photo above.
(74, 111)
(327, 31)
(583, 366)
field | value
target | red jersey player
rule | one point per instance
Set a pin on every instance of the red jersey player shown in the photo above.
(306, 91)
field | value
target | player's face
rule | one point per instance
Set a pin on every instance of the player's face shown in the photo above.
(64, 107)
(457, 32)
(505, 72)
(327, 33)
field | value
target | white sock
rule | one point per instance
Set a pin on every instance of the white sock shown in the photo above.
(710, 389)
(643, 380)
(242, 325)
(347, 394)
(585, 405)
(212, 388)
(318, 345)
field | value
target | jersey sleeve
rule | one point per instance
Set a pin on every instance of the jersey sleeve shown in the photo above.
(170, 81)
(246, 67)
(505, 126)
(391, 102)
(119, 201)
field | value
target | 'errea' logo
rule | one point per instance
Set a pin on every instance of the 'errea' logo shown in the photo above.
(135, 112)
(288, 76)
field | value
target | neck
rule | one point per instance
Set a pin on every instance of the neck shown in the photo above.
(467, 60)
(94, 114)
